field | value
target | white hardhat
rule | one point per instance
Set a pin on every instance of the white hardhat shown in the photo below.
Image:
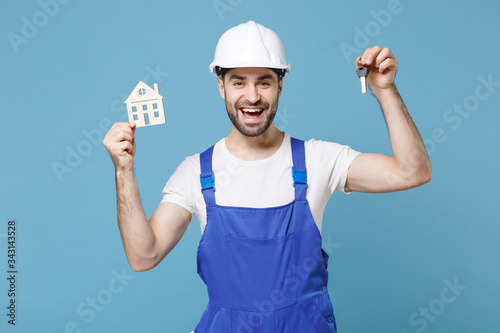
(249, 45)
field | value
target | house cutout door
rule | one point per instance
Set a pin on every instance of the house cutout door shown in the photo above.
(146, 118)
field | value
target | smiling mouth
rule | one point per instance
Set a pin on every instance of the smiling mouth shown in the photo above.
(252, 113)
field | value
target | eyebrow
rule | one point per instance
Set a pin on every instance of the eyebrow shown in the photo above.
(265, 77)
(260, 78)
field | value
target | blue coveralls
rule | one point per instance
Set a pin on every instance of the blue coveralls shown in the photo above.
(264, 268)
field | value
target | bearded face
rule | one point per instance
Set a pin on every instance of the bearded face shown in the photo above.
(251, 96)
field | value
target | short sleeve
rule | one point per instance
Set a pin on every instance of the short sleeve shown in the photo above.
(180, 187)
(335, 160)
(345, 159)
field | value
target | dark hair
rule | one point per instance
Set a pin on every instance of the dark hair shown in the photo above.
(222, 71)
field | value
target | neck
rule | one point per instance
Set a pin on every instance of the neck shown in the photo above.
(254, 148)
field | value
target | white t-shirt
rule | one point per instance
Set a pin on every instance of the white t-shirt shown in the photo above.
(262, 183)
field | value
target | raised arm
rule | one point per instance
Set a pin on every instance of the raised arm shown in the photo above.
(146, 242)
(409, 166)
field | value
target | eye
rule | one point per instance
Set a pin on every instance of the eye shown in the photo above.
(238, 83)
(264, 84)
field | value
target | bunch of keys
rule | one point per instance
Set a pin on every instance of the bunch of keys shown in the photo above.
(362, 73)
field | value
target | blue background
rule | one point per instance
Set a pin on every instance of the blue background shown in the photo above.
(62, 86)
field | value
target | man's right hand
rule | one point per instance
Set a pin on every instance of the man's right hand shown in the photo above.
(120, 143)
(146, 242)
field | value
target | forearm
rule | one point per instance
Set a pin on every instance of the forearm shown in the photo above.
(137, 235)
(408, 148)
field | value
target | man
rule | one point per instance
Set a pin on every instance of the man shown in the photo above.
(260, 253)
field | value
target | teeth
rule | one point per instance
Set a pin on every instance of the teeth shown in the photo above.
(251, 110)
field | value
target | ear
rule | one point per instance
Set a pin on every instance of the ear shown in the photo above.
(221, 88)
(280, 86)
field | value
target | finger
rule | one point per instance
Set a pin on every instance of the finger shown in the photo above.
(125, 147)
(358, 62)
(133, 126)
(125, 128)
(384, 54)
(124, 136)
(388, 64)
(117, 137)
(120, 126)
(117, 127)
(119, 149)
(121, 134)
(370, 55)
(122, 149)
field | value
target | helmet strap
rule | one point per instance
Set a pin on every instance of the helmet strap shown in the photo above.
(220, 71)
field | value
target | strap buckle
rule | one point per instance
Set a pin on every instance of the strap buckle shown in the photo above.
(207, 182)
(299, 177)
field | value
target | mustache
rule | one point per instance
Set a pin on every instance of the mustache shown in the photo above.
(257, 104)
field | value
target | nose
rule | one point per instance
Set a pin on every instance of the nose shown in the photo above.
(252, 94)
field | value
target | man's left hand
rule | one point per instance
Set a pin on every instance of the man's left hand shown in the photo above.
(382, 67)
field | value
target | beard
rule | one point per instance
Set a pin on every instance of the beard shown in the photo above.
(252, 130)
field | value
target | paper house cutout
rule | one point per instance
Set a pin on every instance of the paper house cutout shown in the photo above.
(145, 105)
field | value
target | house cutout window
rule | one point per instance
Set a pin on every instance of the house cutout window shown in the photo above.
(134, 109)
(135, 117)
(146, 119)
(157, 114)
(155, 106)
(142, 91)
(144, 107)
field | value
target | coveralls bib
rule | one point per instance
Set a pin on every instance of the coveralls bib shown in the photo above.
(264, 268)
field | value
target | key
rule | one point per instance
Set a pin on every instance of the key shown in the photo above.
(362, 73)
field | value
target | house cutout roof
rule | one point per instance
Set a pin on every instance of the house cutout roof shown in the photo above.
(143, 92)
